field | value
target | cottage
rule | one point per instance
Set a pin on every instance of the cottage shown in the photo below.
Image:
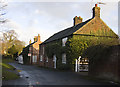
(30, 53)
(54, 52)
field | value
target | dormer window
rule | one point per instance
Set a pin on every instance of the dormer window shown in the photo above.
(64, 40)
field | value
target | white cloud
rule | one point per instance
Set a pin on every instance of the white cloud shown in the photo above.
(35, 21)
(49, 18)
(37, 11)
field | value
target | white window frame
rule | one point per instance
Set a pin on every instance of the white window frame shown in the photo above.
(64, 40)
(54, 60)
(46, 59)
(41, 58)
(34, 58)
(63, 58)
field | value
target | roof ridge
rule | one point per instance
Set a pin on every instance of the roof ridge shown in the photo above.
(66, 32)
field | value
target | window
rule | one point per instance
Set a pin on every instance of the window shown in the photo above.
(47, 59)
(41, 57)
(64, 40)
(54, 58)
(43, 50)
(29, 48)
(64, 58)
(34, 59)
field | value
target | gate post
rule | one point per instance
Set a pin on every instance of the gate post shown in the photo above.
(76, 66)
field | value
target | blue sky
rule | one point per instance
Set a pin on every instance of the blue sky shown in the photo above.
(31, 18)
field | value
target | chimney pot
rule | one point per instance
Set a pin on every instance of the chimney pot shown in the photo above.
(30, 42)
(77, 20)
(38, 37)
(96, 5)
(35, 38)
(96, 11)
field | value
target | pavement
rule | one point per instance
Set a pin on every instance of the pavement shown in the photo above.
(32, 75)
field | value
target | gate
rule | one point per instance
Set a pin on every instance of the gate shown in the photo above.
(81, 64)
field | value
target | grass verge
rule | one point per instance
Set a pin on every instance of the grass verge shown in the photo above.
(7, 75)
(8, 71)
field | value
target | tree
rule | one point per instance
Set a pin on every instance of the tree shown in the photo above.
(75, 48)
(19, 45)
(12, 50)
(10, 42)
(8, 39)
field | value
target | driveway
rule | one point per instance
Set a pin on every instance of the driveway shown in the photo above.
(33, 75)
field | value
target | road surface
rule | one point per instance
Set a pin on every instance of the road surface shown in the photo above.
(33, 75)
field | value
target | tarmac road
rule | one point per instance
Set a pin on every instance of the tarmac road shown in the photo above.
(33, 75)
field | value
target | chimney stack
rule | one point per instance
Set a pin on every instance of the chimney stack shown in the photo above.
(96, 5)
(30, 42)
(35, 38)
(38, 37)
(77, 20)
(96, 11)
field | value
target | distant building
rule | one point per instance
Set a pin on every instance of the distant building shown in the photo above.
(31, 52)
(94, 27)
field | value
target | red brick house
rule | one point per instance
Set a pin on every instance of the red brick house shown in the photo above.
(31, 52)
(94, 27)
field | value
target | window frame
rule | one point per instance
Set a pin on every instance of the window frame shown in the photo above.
(64, 40)
(41, 58)
(47, 59)
(64, 58)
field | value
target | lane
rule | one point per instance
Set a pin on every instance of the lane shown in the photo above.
(32, 75)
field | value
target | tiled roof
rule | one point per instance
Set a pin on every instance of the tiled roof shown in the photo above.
(27, 47)
(30, 44)
(66, 32)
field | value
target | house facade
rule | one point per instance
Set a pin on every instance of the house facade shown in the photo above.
(30, 53)
(59, 51)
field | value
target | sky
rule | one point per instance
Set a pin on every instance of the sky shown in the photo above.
(32, 17)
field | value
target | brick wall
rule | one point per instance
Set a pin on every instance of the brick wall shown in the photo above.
(50, 62)
(35, 50)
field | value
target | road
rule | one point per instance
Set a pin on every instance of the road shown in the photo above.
(33, 75)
